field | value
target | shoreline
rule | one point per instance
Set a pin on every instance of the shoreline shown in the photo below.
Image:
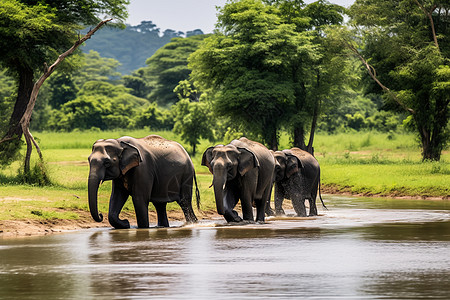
(10, 229)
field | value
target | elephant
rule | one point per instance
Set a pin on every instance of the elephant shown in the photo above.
(243, 170)
(149, 169)
(297, 177)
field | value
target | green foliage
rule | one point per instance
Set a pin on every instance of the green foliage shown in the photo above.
(146, 39)
(37, 175)
(168, 66)
(154, 118)
(248, 63)
(398, 40)
(192, 119)
(34, 33)
(7, 88)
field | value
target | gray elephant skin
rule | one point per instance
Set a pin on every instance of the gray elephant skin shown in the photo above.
(242, 170)
(297, 178)
(149, 169)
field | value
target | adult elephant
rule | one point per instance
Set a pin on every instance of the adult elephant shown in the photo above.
(243, 170)
(297, 178)
(149, 169)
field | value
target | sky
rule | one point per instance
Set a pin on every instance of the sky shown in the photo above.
(184, 15)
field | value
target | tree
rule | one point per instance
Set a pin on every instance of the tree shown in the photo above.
(406, 54)
(34, 32)
(192, 118)
(316, 82)
(248, 63)
(168, 66)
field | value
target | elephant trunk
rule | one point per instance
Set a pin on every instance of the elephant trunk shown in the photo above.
(219, 181)
(93, 185)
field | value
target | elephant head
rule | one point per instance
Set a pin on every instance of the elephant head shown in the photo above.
(109, 160)
(287, 164)
(226, 163)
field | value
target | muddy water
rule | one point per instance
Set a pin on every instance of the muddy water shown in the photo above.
(358, 249)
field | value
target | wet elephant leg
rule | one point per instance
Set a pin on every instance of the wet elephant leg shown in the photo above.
(299, 205)
(231, 198)
(260, 204)
(247, 205)
(162, 214)
(186, 206)
(185, 201)
(141, 210)
(119, 196)
(312, 198)
(278, 199)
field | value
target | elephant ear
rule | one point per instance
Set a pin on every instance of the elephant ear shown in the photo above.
(207, 157)
(247, 161)
(293, 164)
(130, 158)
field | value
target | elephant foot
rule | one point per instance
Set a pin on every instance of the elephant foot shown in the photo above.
(280, 212)
(301, 215)
(270, 212)
(119, 224)
(232, 217)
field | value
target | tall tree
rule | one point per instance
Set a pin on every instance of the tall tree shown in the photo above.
(168, 66)
(315, 82)
(35, 32)
(249, 63)
(406, 54)
(192, 115)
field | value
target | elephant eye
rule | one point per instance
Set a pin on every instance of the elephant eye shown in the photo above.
(107, 163)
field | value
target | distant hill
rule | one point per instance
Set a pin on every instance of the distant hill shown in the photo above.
(133, 45)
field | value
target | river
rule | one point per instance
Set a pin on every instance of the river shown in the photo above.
(360, 248)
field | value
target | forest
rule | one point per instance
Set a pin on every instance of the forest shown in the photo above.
(270, 68)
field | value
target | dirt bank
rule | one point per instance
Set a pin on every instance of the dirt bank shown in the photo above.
(33, 227)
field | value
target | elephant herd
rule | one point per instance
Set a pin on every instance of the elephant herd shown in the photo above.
(153, 169)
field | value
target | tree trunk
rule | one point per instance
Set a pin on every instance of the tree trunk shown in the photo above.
(299, 137)
(273, 139)
(23, 98)
(430, 145)
(27, 95)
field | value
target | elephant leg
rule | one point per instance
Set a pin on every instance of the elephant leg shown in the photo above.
(278, 199)
(231, 198)
(269, 211)
(312, 202)
(312, 208)
(261, 204)
(162, 214)
(119, 196)
(299, 206)
(141, 211)
(188, 212)
(185, 201)
(247, 193)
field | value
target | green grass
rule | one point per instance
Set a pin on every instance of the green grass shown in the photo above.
(363, 163)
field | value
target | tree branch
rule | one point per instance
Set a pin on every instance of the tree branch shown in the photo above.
(429, 14)
(373, 74)
(26, 118)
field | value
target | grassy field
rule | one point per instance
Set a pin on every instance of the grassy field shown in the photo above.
(360, 163)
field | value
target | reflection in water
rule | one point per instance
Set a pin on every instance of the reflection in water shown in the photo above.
(355, 250)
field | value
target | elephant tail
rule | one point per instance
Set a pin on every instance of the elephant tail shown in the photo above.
(320, 196)
(197, 192)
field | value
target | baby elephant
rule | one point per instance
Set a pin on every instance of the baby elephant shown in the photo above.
(297, 178)
(149, 169)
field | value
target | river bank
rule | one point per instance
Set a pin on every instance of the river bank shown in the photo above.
(38, 227)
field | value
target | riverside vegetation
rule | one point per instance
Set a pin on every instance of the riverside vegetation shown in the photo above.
(370, 163)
